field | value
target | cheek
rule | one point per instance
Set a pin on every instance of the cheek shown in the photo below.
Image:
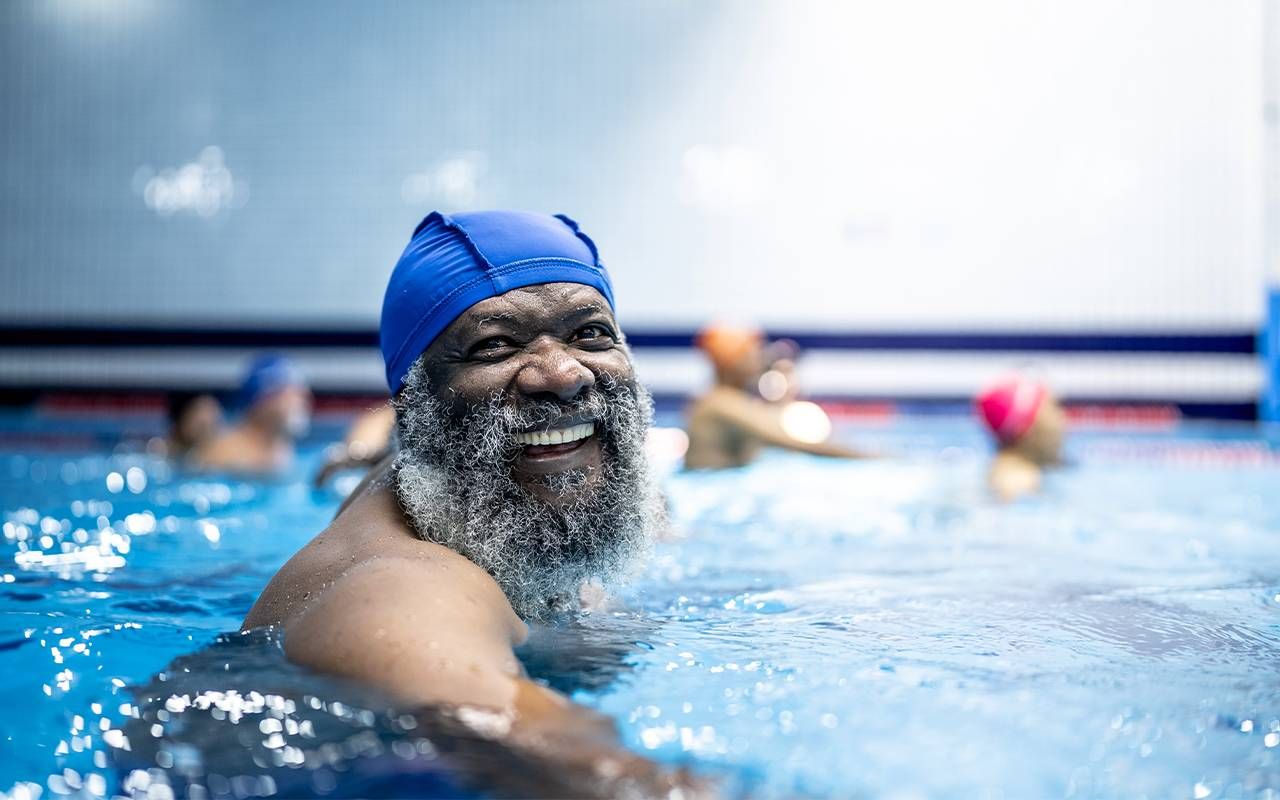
(459, 389)
(466, 387)
(614, 363)
(456, 402)
(454, 405)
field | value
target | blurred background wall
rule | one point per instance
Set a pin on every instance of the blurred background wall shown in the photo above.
(1076, 184)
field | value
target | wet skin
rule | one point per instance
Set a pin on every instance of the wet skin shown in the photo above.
(369, 600)
(543, 343)
(262, 442)
(728, 426)
(199, 423)
(1018, 468)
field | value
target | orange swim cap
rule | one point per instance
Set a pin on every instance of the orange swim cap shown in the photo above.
(727, 344)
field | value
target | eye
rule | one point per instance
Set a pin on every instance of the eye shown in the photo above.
(594, 333)
(491, 347)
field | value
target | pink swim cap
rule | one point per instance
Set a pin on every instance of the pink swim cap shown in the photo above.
(1010, 406)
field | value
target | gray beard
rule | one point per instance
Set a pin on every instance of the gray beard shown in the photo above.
(454, 482)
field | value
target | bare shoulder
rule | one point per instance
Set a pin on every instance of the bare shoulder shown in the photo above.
(411, 617)
(418, 628)
(225, 449)
(428, 591)
(368, 544)
(715, 401)
(236, 451)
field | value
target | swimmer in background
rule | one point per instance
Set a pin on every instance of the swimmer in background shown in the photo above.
(1027, 423)
(367, 443)
(778, 382)
(730, 424)
(194, 419)
(277, 411)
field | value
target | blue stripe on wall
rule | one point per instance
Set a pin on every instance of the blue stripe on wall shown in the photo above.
(1220, 342)
(1269, 407)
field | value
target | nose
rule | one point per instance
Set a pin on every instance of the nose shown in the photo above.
(551, 371)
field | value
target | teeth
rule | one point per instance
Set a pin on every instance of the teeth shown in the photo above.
(558, 436)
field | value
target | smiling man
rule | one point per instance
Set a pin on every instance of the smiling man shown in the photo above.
(521, 476)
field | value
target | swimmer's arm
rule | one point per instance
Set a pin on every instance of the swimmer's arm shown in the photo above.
(1011, 479)
(341, 459)
(372, 430)
(760, 421)
(440, 635)
(368, 442)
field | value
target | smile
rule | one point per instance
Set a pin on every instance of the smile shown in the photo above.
(559, 449)
(569, 435)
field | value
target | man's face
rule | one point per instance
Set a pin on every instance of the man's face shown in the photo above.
(542, 346)
(287, 410)
(522, 433)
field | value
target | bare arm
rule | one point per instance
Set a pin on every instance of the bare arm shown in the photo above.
(439, 633)
(1011, 478)
(762, 422)
(390, 623)
(367, 443)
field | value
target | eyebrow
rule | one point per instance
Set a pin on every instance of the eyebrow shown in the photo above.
(585, 311)
(499, 316)
(513, 320)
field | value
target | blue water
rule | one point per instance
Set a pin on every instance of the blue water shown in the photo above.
(874, 629)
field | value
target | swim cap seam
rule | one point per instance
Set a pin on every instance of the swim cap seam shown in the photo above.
(426, 221)
(466, 237)
(530, 263)
(572, 225)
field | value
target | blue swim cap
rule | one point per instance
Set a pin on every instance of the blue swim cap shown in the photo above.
(453, 262)
(268, 374)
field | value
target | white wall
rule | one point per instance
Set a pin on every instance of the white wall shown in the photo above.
(1064, 164)
(1082, 165)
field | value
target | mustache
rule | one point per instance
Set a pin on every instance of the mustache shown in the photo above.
(508, 415)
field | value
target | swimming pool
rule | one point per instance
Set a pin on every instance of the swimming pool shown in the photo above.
(873, 629)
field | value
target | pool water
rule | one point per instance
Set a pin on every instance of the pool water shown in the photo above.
(816, 628)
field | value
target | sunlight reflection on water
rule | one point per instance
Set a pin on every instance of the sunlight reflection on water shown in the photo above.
(818, 628)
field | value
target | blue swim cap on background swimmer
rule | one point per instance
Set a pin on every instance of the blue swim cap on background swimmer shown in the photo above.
(453, 262)
(268, 374)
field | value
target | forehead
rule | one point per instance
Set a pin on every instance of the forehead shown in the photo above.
(544, 306)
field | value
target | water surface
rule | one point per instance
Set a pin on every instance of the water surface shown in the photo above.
(817, 628)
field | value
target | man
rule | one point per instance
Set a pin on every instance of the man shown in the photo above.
(277, 411)
(1027, 423)
(194, 419)
(730, 424)
(520, 476)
